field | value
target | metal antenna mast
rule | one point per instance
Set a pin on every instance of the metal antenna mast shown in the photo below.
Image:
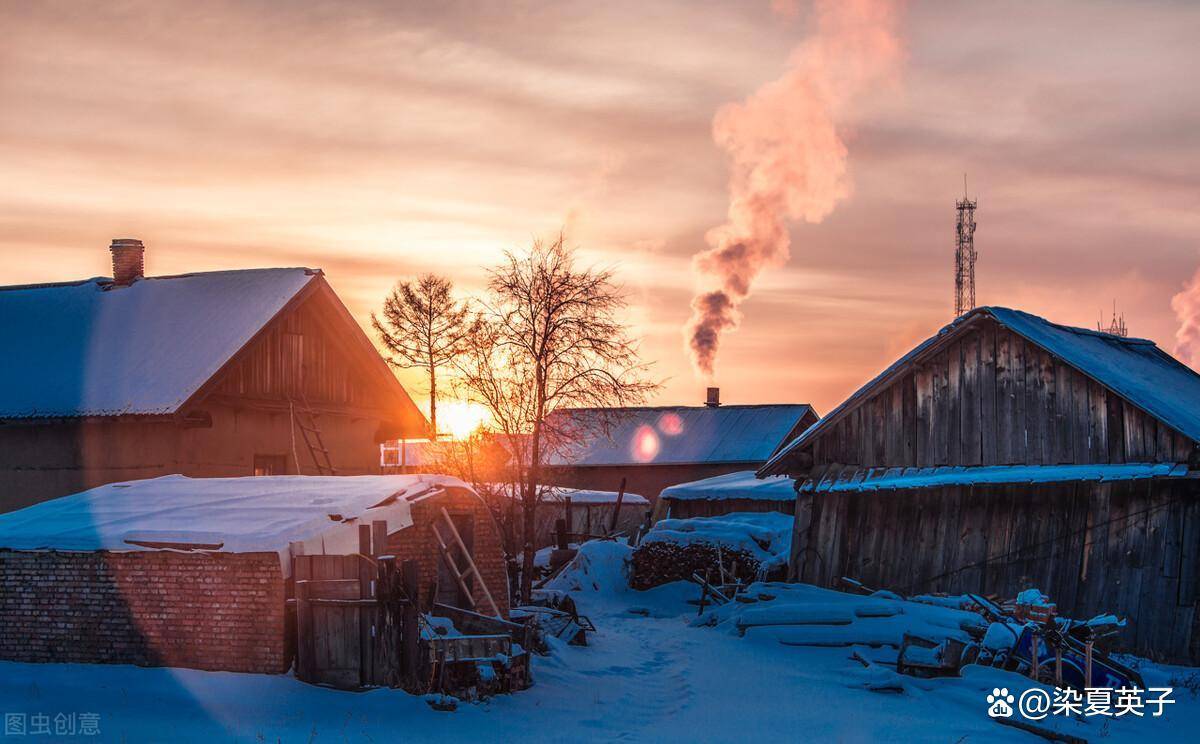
(964, 254)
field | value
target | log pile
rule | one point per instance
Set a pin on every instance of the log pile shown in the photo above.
(657, 563)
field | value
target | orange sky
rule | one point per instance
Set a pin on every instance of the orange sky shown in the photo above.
(377, 141)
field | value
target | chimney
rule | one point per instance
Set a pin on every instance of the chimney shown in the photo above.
(127, 254)
(714, 397)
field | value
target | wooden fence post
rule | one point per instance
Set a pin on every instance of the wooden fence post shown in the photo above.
(617, 509)
(304, 633)
(365, 625)
(410, 631)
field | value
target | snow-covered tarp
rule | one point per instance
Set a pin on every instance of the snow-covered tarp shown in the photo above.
(740, 485)
(765, 535)
(232, 515)
(880, 479)
(89, 349)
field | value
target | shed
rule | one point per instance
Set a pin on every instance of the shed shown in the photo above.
(651, 448)
(211, 374)
(1009, 452)
(188, 572)
(741, 491)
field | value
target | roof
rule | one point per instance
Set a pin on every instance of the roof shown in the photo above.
(91, 349)
(1134, 368)
(552, 494)
(743, 484)
(681, 435)
(886, 479)
(233, 515)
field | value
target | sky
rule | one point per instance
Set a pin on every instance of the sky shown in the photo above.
(378, 140)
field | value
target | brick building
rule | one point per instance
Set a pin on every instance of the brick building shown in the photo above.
(196, 573)
(654, 447)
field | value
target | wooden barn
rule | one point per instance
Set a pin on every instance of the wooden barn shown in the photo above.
(1008, 452)
(741, 491)
(203, 572)
(650, 448)
(225, 373)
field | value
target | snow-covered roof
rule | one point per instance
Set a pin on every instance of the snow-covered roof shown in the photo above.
(678, 435)
(91, 349)
(1134, 368)
(843, 480)
(740, 485)
(232, 515)
(578, 495)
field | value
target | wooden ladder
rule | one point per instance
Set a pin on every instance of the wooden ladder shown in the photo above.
(461, 576)
(306, 420)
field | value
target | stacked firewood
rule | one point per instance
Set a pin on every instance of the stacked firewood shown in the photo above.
(655, 563)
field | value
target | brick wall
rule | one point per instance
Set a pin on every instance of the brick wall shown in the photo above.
(204, 611)
(418, 542)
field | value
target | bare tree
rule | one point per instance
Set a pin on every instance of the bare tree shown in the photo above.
(423, 326)
(548, 338)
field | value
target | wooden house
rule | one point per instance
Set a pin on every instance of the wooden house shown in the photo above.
(225, 373)
(650, 448)
(1008, 452)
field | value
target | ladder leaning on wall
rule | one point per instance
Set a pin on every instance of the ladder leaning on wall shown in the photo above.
(304, 418)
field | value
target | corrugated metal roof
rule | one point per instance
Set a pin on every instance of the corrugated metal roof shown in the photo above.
(90, 349)
(1134, 368)
(679, 434)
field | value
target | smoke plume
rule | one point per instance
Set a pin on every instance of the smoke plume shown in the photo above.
(788, 159)
(1186, 305)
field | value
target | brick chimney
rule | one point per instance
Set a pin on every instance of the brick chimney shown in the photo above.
(127, 258)
(714, 397)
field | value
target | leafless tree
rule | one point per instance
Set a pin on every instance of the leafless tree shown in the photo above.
(423, 326)
(548, 338)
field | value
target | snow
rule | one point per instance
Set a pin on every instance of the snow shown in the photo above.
(586, 496)
(740, 485)
(765, 535)
(85, 349)
(242, 515)
(651, 673)
(1135, 368)
(880, 479)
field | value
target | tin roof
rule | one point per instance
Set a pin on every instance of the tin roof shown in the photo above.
(674, 435)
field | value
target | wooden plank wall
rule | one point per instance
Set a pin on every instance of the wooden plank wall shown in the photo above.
(299, 354)
(1131, 548)
(991, 398)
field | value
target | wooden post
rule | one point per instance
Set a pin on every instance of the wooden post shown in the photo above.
(569, 517)
(560, 532)
(378, 537)
(304, 633)
(410, 633)
(366, 644)
(617, 509)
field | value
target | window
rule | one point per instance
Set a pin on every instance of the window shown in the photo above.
(270, 465)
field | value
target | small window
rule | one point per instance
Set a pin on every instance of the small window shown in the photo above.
(270, 465)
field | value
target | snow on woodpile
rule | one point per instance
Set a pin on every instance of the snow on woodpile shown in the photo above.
(233, 515)
(674, 549)
(739, 485)
(90, 349)
(805, 615)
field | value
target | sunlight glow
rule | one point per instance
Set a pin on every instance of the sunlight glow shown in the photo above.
(460, 419)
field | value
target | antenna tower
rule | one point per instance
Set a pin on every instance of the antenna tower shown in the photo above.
(1117, 326)
(964, 254)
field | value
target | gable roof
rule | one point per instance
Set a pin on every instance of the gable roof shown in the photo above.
(680, 435)
(1134, 368)
(89, 348)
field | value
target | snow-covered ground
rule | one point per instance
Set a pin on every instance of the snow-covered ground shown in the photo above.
(653, 672)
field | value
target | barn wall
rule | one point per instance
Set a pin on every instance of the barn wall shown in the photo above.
(991, 398)
(644, 480)
(419, 543)
(44, 461)
(1129, 548)
(202, 611)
